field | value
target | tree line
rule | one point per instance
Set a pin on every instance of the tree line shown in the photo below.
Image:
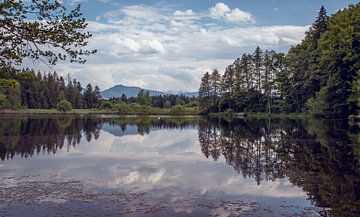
(159, 101)
(247, 84)
(27, 89)
(320, 75)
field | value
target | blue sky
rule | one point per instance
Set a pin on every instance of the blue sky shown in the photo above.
(169, 45)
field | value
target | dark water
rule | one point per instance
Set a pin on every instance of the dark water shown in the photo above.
(185, 166)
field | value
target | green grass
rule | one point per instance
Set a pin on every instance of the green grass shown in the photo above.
(263, 115)
(160, 111)
(54, 111)
(129, 111)
(279, 115)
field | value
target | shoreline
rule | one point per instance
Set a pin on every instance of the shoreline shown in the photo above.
(167, 112)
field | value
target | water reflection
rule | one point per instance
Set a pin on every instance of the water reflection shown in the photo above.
(26, 136)
(320, 157)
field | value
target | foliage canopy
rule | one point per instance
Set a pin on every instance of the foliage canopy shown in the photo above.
(41, 30)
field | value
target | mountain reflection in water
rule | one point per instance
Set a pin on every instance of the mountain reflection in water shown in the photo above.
(320, 157)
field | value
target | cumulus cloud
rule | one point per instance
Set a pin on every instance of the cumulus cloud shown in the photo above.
(222, 11)
(75, 2)
(135, 12)
(219, 10)
(184, 13)
(164, 49)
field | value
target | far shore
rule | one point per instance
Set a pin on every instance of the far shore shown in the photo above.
(168, 112)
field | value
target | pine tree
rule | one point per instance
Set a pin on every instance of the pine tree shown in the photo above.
(123, 98)
(227, 86)
(268, 69)
(204, 91)
(215, 85)
(97, 96)
(88, 96)
(257, 59)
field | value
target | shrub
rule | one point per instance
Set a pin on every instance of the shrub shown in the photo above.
(3, 101)
(191, 104)
(64, 106)
(134, 107)
(106, 105)
(10, 89)
(178, 109)
(167, 104)
(121, 107)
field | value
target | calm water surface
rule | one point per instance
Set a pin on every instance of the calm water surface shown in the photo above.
(184, 166)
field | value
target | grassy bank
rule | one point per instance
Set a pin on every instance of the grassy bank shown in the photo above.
(131, 111)
(54, 111)
(174, 111)
(262, 115)
(279, 115)
(228, 115)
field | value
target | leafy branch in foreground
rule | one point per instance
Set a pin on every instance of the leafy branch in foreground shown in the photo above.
(41, 30)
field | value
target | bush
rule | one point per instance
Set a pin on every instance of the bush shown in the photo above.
(167, 104)
(177, 110)
(191, 104)
(121, 108)
(106, 105)
(10, 94)
(64, 106)
(139, 109)
(3, 101)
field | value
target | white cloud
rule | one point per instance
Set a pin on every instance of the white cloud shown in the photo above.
(99, 27)
(184, 13)
(138, 12)
(75, 2)
(165, 49)
(222, 11)
(238, 15)
(219, 10)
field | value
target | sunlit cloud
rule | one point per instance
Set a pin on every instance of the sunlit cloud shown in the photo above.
(164, 48)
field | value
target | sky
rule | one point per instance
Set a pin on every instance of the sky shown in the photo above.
(169, 45)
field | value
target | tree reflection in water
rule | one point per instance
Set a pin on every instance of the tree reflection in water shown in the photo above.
(26, 136)
(321, 157)
(249, 146)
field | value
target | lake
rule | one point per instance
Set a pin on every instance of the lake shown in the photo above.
(104, 165)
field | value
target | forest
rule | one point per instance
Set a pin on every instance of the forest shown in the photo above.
(27, 89)
(321, 75)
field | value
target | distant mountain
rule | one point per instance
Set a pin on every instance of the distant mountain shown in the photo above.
(129, 91)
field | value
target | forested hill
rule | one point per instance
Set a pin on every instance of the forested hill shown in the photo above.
(321, 75)
(129, 91)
